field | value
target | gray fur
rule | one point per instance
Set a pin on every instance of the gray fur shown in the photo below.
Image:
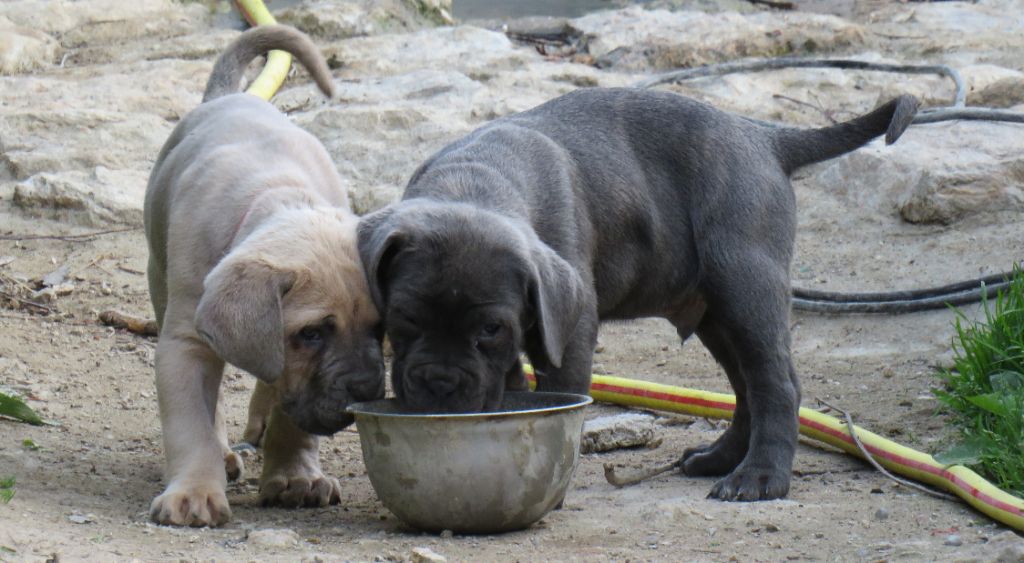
(628, 203)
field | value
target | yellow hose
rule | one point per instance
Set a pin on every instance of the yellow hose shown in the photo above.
(278, 62)
(957, 479)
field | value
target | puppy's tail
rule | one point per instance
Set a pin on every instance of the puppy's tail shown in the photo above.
(800, 147)
(230, 66)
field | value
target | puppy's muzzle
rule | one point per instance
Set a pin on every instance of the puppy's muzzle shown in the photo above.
(366, 386)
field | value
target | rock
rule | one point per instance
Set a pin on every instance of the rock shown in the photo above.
(953, 540)
(882, 514)
(935, 173)
(1006, 547)
(102, 197)
(639, 39)
(464, 48)
(1003, 93)
(279, 538)
(628, 430)
(426, 555)
(23, 49)
(334, 20)
(82, 518)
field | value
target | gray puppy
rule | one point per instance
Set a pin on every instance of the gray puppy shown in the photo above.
(607, 204)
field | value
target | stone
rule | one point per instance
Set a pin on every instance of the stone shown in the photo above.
(333, 20)
(24, 50)
(426, 555)
(271, 537)
(92, 199)
(936, 173)
(639, 39)
(607, 433)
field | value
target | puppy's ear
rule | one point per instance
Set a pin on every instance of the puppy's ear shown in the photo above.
(379, 239)
(557, 296)
(239, 316)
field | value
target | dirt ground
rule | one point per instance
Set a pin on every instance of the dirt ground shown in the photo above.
(84, 493)
(85, 484)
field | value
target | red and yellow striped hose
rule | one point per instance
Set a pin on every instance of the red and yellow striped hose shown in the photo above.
(957, 479)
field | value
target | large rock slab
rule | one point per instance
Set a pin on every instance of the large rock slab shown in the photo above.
(23, 49)
(640, 39)
(99, 197)
(333, 20)
(935, 173)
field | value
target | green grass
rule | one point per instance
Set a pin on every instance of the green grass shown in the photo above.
(984, 390)
(6, 489)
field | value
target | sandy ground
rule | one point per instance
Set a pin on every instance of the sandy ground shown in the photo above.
(83, 491)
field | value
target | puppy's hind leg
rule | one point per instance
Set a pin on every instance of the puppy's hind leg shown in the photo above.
(724, 454)
(263, 399)
(750, 311)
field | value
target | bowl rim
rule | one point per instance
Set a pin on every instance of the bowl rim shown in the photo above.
(579, 401)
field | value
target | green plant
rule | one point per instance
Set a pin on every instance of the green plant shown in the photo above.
(6, 489)
(14, 407)
(984, 390)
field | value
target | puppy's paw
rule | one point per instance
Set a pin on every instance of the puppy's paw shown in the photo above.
(718, 458)
(748, 483)
(233, 465)
(196, 505)
(302, 487)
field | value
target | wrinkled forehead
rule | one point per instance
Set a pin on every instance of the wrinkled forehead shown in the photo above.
(341, 295)
(457, 275)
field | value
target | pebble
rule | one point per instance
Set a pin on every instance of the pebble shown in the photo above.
(953, 540)
(426, 555)
(82, 518)
(273, 538)
(447, 534)
(882, 514)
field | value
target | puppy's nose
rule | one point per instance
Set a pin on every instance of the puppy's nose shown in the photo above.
(366, 388)
(439, 383)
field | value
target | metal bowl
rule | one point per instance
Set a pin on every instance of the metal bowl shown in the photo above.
(475, 473)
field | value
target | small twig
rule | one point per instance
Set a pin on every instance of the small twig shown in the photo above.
(822, 111)
(135, 325)
(643, 475)
(871, 459)
(124, 268)
(17, 282)
(84, 237)
(26, 302)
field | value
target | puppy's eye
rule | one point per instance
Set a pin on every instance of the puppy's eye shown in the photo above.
(490, 330)
(311, 335)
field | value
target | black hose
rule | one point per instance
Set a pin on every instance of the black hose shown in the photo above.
(898, 306)
(995, 281)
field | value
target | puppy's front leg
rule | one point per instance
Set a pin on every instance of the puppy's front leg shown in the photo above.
(291, 467)
(573, 375)
(188, 378)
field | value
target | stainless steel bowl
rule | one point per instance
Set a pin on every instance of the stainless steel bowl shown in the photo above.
(473, 473)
